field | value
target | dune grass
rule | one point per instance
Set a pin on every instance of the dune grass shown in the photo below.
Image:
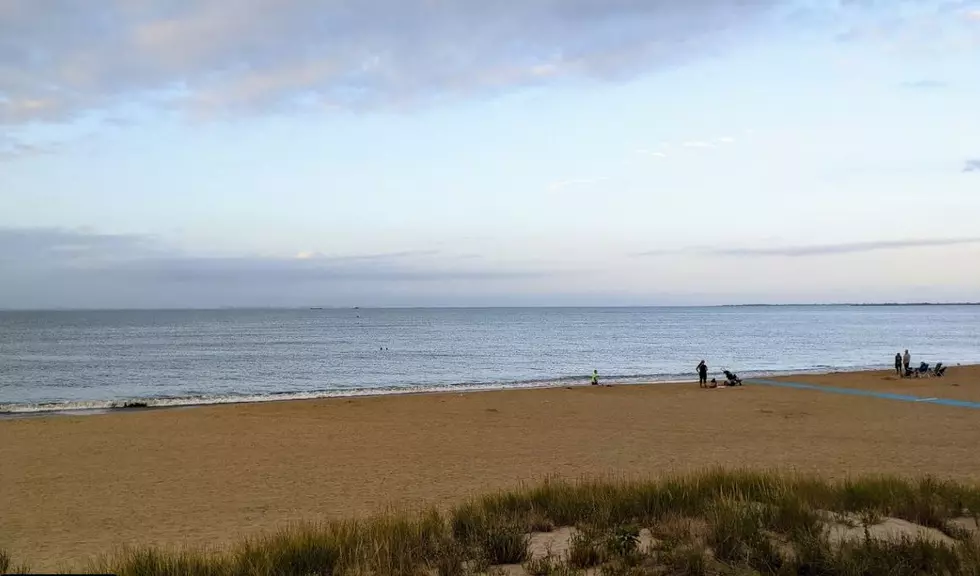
(716, 522)
(7, 565)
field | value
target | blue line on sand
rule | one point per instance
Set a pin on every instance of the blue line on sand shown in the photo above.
(868, 393)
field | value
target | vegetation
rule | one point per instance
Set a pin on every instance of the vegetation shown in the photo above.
(7, 567)
(711, 523)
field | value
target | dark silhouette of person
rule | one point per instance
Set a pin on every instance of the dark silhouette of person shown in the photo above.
(702, 374)
(898, 364)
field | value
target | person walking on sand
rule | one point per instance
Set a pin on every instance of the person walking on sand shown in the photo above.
(898, 364)
(906, 360)
(702, 374)
(595, 377)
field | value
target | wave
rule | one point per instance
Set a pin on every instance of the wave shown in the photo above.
(102, 406)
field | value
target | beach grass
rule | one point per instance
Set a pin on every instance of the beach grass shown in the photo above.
(7, 565)
(716, 522)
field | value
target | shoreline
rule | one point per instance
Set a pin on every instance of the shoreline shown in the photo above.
(315, 308)
(109, 406)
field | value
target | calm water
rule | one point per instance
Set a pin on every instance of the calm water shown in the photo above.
(58, 360)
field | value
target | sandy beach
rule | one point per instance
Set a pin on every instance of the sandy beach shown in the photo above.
(74, 486)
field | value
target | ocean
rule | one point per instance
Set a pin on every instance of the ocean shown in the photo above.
(96, 360)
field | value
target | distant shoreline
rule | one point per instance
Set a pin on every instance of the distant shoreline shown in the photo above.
(851, 304)
(594, 307)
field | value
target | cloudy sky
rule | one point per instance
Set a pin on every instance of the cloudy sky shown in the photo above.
(172, 153)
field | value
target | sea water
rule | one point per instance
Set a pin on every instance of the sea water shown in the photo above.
(52, 361)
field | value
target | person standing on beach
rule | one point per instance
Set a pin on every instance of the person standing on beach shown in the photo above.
(898, 363)
(595, 377)
(906, 360)
(702, 374)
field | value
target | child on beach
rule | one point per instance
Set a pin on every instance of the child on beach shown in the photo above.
(595, 377)
(898, 363)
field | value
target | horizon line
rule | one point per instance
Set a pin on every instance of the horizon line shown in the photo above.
(498, 307)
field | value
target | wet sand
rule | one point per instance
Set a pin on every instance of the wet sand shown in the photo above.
(74, 486)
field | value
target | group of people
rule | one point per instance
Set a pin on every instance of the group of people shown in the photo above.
(902, 362)
(731, 379)
(903, 367)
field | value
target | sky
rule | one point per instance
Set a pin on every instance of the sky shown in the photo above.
(179, 153)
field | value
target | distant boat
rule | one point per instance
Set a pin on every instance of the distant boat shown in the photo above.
(357, 307)
(316, 308)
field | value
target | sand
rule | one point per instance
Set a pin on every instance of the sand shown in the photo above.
(956, 385)
(74, 486)
(557, 543)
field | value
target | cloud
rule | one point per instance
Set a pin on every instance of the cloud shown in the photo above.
(713, 143)
(814, 250)
(52, 248)
(79, 268)
(55, 246)
(652, 153)
(389, 255)
(242, 270)
(844, 248)
(562, 184)
(972, 165)
(62, 59)
(925, 84)
(17, 150)
(616, 167)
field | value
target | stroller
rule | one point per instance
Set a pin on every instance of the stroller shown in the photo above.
(732, 379)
